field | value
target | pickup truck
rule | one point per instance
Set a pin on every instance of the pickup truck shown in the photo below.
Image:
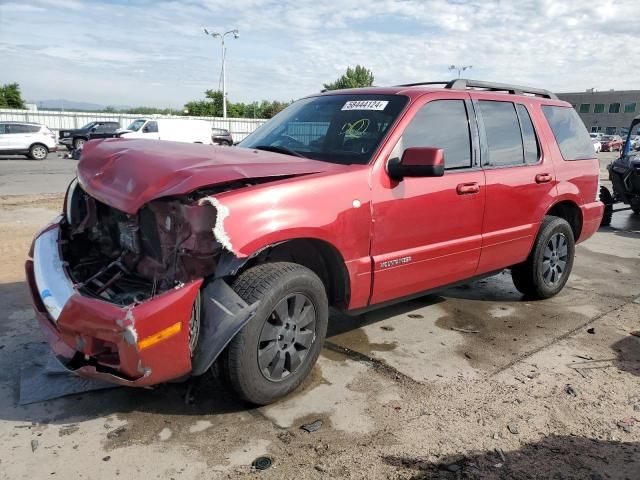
(74, 139)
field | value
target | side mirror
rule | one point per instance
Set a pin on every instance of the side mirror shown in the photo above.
(145, 129)
(93, 129)
(417, 162)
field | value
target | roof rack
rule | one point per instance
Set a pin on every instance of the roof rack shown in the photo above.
(463, 84)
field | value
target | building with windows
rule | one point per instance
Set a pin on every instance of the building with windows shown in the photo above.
(609, 112)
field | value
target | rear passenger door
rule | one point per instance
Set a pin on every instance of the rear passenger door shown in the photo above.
(520, 182)
(20, 136)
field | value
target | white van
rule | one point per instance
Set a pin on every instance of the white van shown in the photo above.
(175, 129)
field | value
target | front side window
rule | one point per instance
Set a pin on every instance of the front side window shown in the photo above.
(1, 128)
(440, 124)
(570, 133)
(598, 108)
(136, 125)
(338, 128)
(585, 107)
(630, 107)
(614, 108)
(503, 136)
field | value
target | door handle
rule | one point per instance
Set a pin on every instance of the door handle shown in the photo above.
(543, 178)
(468, 188)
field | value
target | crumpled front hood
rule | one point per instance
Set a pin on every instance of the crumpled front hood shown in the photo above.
(128, 173)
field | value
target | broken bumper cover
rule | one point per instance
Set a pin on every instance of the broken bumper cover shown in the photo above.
(97, 339)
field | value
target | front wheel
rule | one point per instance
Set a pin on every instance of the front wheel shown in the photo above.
(276, 350)
(78, 143)
(549, 265)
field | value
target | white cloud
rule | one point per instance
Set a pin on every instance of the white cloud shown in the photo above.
(155, 52)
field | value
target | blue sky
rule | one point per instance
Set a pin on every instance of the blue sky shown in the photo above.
(155, 53)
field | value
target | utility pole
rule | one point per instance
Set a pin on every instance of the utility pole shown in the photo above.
(460, 69)
(236, 34)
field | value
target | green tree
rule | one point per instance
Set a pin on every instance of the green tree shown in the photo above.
(354, 78)
(211, 106)
(10, 96)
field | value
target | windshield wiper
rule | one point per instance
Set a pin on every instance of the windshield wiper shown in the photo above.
(278, 149)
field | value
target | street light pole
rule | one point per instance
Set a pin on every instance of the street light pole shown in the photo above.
(236, 34)
(460, 69)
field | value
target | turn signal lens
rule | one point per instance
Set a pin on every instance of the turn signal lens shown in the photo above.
(160, 336)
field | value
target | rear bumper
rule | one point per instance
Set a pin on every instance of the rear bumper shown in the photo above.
(97, 339)
(591, 219)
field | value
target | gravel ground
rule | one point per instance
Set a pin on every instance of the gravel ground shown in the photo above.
(543, 389)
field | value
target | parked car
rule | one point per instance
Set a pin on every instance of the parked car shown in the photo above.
(174, 129)
(24, 138)
(221, 136)
(75, 138)
(597, 146)
(611, 143)
(170, 257)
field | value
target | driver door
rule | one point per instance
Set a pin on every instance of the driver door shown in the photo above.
(427, 231)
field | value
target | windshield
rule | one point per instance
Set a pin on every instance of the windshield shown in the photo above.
(337, 128)
(136, 125)
(88, 126)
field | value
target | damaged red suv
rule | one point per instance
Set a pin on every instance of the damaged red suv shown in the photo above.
(169, 257)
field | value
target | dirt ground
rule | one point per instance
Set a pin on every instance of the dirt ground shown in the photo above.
(545, 389)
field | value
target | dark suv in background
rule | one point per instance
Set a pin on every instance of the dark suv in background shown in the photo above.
(74, 139)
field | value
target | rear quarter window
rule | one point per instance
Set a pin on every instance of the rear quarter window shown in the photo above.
(570, 133)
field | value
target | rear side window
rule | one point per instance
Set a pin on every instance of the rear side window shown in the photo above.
(441, 124)
(33, 128)
(570, 133)
(17, 128)
(502, 131)
(529, 140)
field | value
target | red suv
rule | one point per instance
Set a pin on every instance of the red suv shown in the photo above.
(169, 257)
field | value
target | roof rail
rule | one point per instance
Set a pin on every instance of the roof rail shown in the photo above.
(463, 84)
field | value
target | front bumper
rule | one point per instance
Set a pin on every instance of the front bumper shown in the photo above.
(98, 339)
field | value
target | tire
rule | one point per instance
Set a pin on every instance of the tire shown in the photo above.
(279, 287)
(547, 269)
(636, 211)
(78, 143)
(38, 151)
(607, 199)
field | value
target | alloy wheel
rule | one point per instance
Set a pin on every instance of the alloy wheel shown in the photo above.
(554, 259)
(287, 337)
(39, 152)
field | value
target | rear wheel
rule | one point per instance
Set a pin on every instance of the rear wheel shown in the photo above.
(38, 152)
(277, 349)
(549, 265)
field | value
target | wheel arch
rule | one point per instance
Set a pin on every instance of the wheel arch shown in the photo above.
(319, 256)
(40, 144)
(571, 212)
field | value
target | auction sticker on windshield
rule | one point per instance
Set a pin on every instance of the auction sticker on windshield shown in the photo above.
(365, 105)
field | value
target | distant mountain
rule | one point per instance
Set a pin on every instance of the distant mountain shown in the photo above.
(62, 103)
